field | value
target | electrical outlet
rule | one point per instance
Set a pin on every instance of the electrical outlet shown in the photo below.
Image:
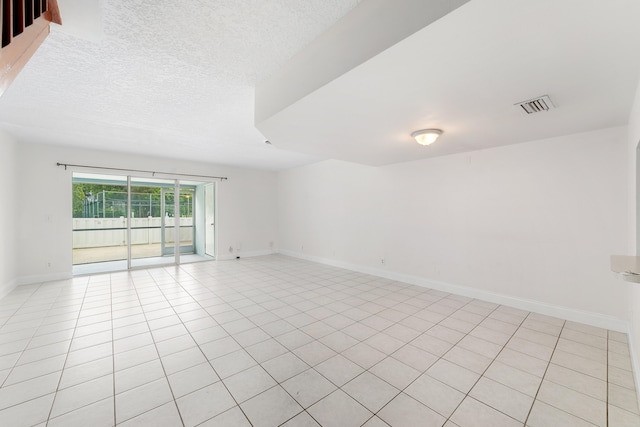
(382, 261)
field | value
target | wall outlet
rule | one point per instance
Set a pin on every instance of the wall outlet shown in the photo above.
(382, 261)
(49, 265)
(230, 249)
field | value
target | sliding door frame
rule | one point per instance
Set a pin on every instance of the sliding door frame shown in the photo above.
(177, 226)
(176, 221)
(128, 222)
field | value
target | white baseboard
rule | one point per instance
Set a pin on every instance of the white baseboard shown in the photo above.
(41, 278)
(586, 317)
(29, 280)
(241, 255)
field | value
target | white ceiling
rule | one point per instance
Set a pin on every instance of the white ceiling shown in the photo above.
(167, 78)
(177, 79)
(464, 73)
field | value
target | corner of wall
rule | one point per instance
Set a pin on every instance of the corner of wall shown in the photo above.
(8, 216)
(633, 176)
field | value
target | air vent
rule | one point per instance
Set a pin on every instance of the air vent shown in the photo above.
(536, 105)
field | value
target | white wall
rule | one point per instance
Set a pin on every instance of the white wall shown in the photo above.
(536, 221)
(8, 214)
(246, 205)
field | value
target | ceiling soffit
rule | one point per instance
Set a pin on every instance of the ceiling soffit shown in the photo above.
(463, 73)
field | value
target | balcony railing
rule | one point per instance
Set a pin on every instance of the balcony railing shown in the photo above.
(24, 24)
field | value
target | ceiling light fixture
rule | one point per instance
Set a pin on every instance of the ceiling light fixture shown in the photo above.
(426, 136)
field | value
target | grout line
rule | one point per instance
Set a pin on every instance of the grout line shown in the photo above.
(278, 383)
(166, 377)
(113, 351)
(21, 304)
(545, 374)
(482, 374)
(607, 374)
(535, 398)
(199, 348)
(33, 334)
(86, 289)
(282, 280)
(390, 355)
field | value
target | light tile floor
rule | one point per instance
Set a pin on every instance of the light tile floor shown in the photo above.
(277, 341)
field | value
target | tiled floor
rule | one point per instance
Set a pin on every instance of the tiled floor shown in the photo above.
(273, 340)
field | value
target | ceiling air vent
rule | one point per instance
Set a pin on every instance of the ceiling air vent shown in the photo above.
(536, 105)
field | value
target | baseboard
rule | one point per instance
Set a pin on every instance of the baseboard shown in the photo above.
(29, 280)
(241, 255)
(41, 278)
(589, 318)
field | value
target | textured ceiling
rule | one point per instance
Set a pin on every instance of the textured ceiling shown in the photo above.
(168, 78)
(178, 79)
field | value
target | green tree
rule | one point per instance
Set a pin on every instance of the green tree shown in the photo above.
(115, 199)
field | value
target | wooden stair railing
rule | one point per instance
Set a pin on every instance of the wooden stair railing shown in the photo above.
(24, 24)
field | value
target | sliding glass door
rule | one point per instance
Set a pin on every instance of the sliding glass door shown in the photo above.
(182, 228)
(209, 220)
(99, 219)
(152, 221)
(132, 222)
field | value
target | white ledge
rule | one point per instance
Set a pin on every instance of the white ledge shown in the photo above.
(627, 267)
